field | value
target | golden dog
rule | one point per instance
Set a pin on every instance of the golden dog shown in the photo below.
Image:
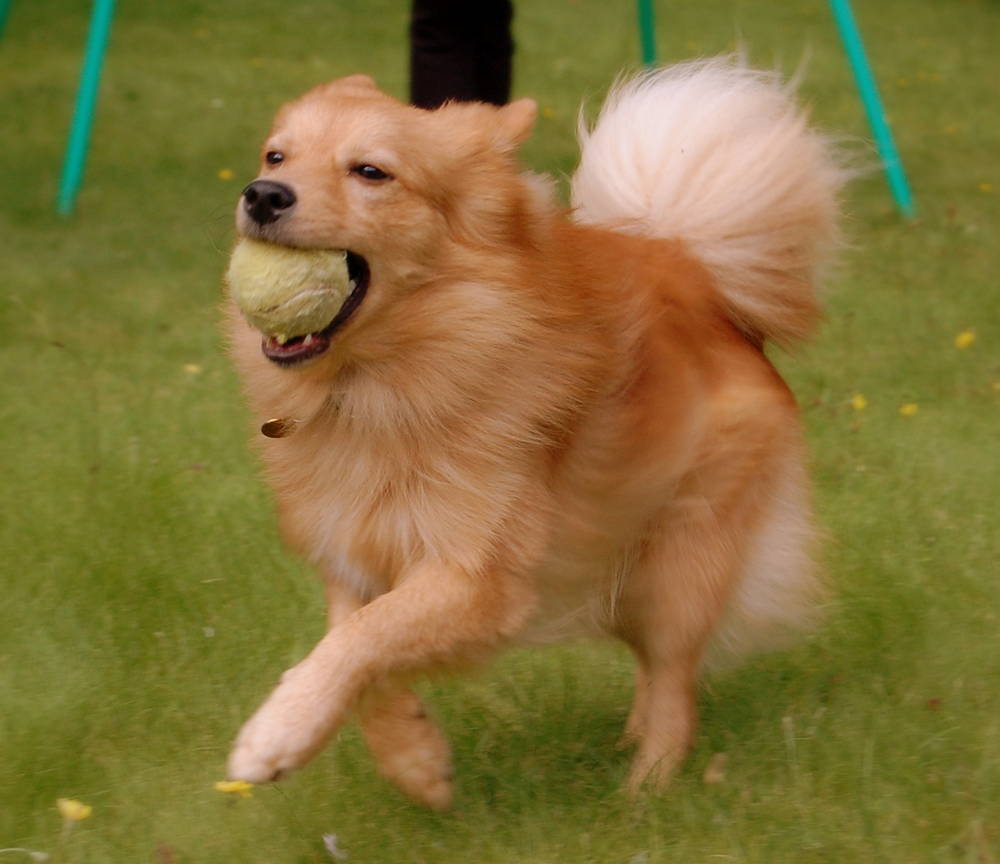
(527, 423)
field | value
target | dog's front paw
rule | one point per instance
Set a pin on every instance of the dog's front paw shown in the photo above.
(287, 731)
(409, 749)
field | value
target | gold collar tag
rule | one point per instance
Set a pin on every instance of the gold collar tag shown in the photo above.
(279, 427)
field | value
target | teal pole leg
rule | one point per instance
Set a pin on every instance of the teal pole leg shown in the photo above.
(855, 49)
(647, 31)
(86, 101)
(4, 12)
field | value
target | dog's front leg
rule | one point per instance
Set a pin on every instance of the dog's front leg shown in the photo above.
(409, 749)
(438, 616)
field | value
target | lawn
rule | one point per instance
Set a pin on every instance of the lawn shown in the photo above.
(148, 604)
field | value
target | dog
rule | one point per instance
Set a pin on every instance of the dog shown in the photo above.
(529, 422)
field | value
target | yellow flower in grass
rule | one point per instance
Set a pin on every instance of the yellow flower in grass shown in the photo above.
(965, 339)
(908, 409)
(235, 787)
(72, 810)
(858, 402)
(225, 173)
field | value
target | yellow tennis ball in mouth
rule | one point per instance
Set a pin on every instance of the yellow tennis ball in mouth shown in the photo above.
(286, 292)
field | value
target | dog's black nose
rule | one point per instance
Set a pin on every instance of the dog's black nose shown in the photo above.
(265, 200)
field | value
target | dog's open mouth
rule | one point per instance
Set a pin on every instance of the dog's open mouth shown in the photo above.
(302, 348)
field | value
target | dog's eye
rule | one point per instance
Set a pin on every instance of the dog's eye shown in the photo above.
(274, 157)
(370, 172)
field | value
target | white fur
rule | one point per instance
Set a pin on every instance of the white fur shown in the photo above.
(780, 590)
(720, 156)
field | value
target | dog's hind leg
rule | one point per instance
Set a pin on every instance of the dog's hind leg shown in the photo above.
(664, 619)
(408, 748)
(672, 604)
(637, 715)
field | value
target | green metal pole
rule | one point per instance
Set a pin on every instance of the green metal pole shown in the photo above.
(86, 101)
(647, 31)
(851, 37)
(4, 12)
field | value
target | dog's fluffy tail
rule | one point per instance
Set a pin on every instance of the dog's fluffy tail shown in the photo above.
(720, 156)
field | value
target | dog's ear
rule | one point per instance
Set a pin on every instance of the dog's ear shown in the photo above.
(514, 124)
(359, 85)
(356, 82)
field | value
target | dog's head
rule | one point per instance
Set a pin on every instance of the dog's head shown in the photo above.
(403, 190)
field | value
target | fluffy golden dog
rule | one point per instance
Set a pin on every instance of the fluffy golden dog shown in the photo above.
(526, 423)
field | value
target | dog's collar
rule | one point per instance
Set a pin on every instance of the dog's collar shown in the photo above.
(282, 427)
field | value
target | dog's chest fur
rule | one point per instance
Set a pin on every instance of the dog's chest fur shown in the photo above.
(367, 490)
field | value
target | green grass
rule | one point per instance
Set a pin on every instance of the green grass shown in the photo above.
(147, 603)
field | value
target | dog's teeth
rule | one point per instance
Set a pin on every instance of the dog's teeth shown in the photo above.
(308, 340)
(281, 338)
(352, 284)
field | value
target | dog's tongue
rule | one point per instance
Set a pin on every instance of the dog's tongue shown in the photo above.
(295, 350)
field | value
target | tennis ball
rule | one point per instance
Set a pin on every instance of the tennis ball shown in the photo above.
(286, 292)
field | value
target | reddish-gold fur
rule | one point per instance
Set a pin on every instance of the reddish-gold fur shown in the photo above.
(530, 429)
